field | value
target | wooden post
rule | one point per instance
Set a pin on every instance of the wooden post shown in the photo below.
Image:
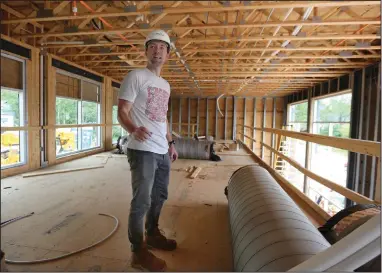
(225, 119)
(254, 124)
(197, 117)
(206, 117)
(180, 117)
(263, 125)
(234, 119)
(308, 144)
(216, 118)
(189, 115)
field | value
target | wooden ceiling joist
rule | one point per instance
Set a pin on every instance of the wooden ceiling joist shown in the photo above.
(179, 10)
(254, 48)
(208, 27)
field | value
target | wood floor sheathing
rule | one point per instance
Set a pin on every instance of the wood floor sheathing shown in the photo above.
(67, 205)
(66, 208)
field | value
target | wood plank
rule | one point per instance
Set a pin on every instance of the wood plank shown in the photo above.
(354, 196)
(185, 10)
(62, 171)
(354, 145)
(195, 173)
(202, 27)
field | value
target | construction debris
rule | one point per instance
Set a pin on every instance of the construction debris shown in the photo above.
(195, 172)
(62, 171)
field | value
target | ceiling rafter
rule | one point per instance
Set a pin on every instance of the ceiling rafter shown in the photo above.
(196, 10)
(223, 44)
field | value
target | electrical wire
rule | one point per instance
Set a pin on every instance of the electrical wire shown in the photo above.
(68, 254)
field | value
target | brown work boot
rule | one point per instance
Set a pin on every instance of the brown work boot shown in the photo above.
(157, 240)
(144, 259)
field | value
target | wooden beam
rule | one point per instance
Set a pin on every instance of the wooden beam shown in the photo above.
(18, 14)
(353, 145)
(206, 27)
(370, 56)
(232, 39)
(185, 10)
(356, 197)
(62, 171)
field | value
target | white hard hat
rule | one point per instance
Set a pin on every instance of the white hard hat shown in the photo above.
(159, 35)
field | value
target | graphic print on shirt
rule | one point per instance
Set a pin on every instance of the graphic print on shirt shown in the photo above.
(157, 104)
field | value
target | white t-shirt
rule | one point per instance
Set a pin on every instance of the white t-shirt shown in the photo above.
(149, 95)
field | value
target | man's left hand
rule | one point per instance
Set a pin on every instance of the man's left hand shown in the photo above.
(172, 153)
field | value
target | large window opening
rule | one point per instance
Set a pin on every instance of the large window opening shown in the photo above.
(117, 130)
(295, 148)
(13, 141)
(77, 103)
(331, 117)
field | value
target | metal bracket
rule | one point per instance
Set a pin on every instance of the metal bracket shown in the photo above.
(105, 50)
(314, 69)
(90, 41)
(275, 61)
(345, 54)
(344, 8)
(301, 34)
(282, 55)
(157, 9)
(71, 29)
(290, 46)
(43, 13)
(144, 26)
(362, 44)
(166, 26)
(130, 9)
(246, 3)
(316, 19)
(331, 61)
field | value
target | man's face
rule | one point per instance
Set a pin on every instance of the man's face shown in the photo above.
(156, 52)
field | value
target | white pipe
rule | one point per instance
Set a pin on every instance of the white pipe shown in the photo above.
(217, 104)
(345, 248)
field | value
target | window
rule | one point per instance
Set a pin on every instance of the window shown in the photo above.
(117, 129)
(295, 148)
(331, 118)
(13, 142)
(77, 102)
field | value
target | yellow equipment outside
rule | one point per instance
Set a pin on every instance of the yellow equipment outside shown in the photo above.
(10, 146)
(66, 141)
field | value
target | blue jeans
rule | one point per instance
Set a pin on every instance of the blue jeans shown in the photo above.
(150, 174)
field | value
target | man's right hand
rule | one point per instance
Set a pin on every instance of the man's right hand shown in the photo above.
(141, 134)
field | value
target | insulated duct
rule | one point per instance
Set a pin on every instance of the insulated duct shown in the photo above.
(192, 149)
(269, 231)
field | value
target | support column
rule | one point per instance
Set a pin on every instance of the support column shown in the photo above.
(234, 119)
(308, 144)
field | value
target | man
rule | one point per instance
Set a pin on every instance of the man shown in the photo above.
(142, 111)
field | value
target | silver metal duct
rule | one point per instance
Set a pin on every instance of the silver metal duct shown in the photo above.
(269, 231)
(192, 149)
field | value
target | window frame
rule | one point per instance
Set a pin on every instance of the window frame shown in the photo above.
(23, 108)
(313, 102)
(79, 116)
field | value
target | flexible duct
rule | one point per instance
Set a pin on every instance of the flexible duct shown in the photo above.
(269, 231)
(192, 149)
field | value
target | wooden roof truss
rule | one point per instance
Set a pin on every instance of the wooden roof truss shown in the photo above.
(248, 48)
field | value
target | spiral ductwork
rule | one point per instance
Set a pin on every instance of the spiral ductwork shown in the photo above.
(269, 231)
(192, 149)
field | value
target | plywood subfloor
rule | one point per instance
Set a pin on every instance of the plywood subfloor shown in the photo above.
(66, 208)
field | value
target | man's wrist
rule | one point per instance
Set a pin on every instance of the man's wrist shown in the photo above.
(171, 142)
